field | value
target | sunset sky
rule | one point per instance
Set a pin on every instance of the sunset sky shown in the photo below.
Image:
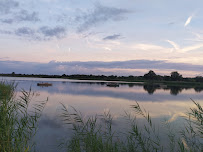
(120, 37)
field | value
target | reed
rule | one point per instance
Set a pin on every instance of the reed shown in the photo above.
(18, 120)
(92, 134)
(19, 117)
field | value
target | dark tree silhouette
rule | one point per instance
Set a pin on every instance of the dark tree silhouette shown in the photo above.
(151, 75)
(175, 76)
(64, 75)
(199, 79)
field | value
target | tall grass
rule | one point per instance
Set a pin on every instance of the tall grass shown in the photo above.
(18, 121)
(19, 117)
(94, 135)
(89, 135)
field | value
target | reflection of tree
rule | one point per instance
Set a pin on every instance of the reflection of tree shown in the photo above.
(199, 79)
(175, 90)
(131, 85)
(150, 88)
(198, 89)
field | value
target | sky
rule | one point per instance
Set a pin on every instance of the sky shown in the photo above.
(119, 37)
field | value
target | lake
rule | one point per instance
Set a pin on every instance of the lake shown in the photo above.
(95, 97)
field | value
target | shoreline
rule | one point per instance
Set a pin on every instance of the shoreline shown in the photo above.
(139, 82)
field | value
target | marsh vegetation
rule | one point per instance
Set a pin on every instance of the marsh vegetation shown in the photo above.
(18, 119)
(19, 122)
(91, 134)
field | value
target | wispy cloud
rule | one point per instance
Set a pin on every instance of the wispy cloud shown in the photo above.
(174, 44)
(148, 47)
(24, 31)
(107, 48)
(7, 5)
(22, 16)
(112, 37)
(185, 49)
(42, 33)
(198, 37)
(58, 32)
(189, 19)
(100, 14)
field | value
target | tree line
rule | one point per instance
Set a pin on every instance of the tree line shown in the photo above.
(150, 76)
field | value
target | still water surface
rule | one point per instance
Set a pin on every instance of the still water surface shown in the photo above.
(94, 97)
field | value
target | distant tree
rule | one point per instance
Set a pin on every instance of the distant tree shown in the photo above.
(199, 79)
(13, 73)
(167, 78)
(112, 77)
(151, 75)
(130, 78)
(175, 76)
(63, 75)
(159, 77)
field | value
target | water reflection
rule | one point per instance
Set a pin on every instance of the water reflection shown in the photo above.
(174, 90)
(150, 88)
(198, 89)
(93, 97)
(127, 91)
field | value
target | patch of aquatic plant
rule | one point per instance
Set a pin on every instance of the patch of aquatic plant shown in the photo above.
(18, 119)
(192, 136)
(92, 134)
(6, 90)
(89, 135)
